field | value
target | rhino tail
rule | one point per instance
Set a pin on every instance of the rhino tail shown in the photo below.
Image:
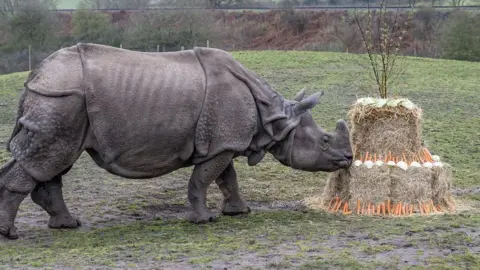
(18, 126)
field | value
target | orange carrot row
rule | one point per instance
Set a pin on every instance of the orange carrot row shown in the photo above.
(423, 156)
(385, 208)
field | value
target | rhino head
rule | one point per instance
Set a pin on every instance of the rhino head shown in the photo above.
(307, 146)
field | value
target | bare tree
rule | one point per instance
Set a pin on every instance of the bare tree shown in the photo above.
(383, 38)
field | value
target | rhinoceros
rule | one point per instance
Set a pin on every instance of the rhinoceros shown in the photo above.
(143, 115)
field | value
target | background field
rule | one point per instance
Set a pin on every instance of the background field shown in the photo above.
(67, 4)
(138, 223)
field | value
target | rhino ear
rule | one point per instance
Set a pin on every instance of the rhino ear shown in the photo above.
(300, 95)
(307, 103)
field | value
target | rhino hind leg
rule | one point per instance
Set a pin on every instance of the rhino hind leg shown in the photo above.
(202, 176)
(15, 185)
(233, 203)
(49, 196)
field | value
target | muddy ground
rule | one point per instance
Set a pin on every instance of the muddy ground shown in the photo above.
(105, 203)
(138, 224)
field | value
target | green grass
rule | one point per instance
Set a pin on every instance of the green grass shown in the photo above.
(110, 206)
(67, 4)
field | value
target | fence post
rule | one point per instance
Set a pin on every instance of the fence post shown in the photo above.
(121, 46)
(182, 48)
(208, 43)
(158, 48)
(29, 57)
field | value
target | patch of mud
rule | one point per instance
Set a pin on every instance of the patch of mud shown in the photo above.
(466, 191)
(277, 205)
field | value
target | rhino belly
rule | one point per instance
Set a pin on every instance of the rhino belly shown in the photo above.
(143, 110)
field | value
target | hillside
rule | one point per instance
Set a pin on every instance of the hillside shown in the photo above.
(133, 223)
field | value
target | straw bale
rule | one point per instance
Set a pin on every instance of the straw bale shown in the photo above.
(384, 129)
(369, 185)
(441, 187)
(412, 186)
(337, 185)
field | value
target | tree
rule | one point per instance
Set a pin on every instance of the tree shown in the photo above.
(90, 26)
(31, 23)
(382, 38)
(10, 7)
(461, 36)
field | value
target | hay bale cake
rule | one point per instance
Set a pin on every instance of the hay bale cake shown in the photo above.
(393, 174)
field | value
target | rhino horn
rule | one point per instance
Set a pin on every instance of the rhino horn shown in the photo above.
(342, 126)
(300, 95)
(307, 103)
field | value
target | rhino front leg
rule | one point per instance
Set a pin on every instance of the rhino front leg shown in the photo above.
(15, 185)
(49, 196)
(203, 175)
(233, 203)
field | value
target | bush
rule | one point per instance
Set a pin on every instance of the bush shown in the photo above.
(31, 24)
(461, 36)
(171, 29)
(96, 27)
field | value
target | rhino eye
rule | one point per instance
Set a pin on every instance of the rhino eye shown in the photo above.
(325, 139)
(325, 142)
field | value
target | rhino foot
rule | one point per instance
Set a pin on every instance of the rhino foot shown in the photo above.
(63, 222)
(235, 208)
(201, 218)
(9, 231)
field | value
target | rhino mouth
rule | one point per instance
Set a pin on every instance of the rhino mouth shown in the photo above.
(343, 163)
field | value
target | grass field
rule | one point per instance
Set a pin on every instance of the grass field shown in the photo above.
(67, 4)
(138, 223)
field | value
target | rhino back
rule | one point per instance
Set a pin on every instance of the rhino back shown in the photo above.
(143, 107)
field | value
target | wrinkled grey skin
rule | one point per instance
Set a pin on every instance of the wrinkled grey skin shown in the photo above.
(143, 115)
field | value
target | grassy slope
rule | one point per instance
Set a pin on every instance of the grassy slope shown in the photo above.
(67, 4)
(444, 89)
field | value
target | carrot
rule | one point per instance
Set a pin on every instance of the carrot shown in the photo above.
(338, 206)
(389, 155)
(383, 209)
(411, 209)
(427, 154)
(432, 206)
(379, 207)
(358, 206)
(405, 207)
(366, 156)
(335, 204)
(400, 208)
(389, 210)
(375, 157)
(345, 207)
(424, 208)
(405, 158)
(439, 208)
(330, 204)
